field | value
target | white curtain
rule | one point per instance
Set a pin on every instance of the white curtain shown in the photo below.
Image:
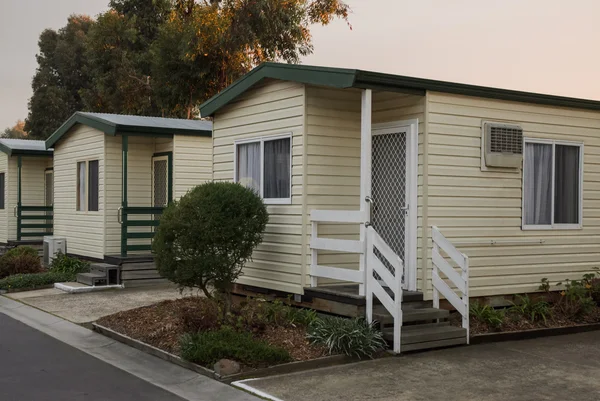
(81, 186)
(277, 169)
(248, 165)
(538, 184)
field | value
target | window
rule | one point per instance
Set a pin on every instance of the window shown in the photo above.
(2, 183)
(87, 186)
(552, 184)
(265, 166)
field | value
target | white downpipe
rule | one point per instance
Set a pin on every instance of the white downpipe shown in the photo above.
(365, 171)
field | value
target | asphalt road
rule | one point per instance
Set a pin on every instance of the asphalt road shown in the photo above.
(36, 367)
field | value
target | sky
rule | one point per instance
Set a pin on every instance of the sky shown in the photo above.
(546, 46)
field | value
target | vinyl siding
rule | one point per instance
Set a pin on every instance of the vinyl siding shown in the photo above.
(192, 162)
(273, 108)
(333, 158)
(473, 207)
(4, 212)
(84, 230)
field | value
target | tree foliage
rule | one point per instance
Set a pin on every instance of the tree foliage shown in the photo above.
(205, 239)
(165, 57)
(59, 78)
(17, 131)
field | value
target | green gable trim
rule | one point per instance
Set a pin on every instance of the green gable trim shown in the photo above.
(5, 149)
(348, 78)
(110, 128)
(24, 152)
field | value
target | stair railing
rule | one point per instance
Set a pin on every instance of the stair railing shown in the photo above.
(458, 280)
(393, 280)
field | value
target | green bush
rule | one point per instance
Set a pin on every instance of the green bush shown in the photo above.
(206, 348)
(353, 337)
(20, 260)
(487, 315)
(204, 240)
(66, 264)
(256, 314)
(34, 280)
(532, 310)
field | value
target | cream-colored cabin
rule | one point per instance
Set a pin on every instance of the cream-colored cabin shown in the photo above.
(361, 164)
(25, 191)
(114, 174)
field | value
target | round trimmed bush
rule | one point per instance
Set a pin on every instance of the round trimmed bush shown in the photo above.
(204, 240)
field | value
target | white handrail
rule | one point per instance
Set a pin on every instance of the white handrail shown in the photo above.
(460, 281)
(392, 281)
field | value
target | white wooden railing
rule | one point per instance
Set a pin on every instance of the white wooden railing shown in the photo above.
(336, 245)
(459, 281)
(393, 280)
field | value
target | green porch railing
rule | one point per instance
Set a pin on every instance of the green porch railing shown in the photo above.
(38, 219)
(138, 225)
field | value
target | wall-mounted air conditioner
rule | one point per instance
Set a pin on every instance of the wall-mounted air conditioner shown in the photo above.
(52, 246)
(502, 145)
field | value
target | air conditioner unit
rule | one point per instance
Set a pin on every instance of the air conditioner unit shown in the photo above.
(52, 246)
(503, 145)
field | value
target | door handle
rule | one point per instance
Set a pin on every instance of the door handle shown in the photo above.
(371, 204)
(119, 214)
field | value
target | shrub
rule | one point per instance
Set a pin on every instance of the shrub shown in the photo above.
(575, 300)
(34, 280)
(353, 337)
(20, 260)
(487, 315)
(205, 238)
(66, 264)
(532, 310)
(256, 314)
(206, 348)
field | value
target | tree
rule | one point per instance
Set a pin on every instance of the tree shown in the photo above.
(204, 47)
(16, 132)
(119, 60)
(59, 77)
(205, 239)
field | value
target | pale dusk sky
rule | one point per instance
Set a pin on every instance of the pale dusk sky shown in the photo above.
(546, 46)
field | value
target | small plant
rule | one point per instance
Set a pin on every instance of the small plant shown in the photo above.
(33, 280)
(487, 315)
(206, 348)
(532, 310)
(68, 265)
(353, 337)
(575, 300)
(20, 260)
(205, 239)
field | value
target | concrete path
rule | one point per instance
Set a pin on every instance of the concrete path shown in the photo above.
(46, 364)
(89, 307)
(553, 368)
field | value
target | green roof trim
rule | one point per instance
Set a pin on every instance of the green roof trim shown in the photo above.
(116, 124)
(23, 147)
(349, 78)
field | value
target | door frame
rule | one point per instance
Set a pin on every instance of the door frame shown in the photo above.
(412, 158)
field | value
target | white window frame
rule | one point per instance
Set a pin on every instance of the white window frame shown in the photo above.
(262, 140)
(87, 186)
(552, 225)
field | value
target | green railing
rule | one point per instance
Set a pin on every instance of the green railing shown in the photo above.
(138, 225)
(38, 219)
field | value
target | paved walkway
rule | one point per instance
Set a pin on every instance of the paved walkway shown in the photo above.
(89, 307)
(101, 367)
(553, 368)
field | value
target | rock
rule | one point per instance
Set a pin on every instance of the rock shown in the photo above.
(226, 367)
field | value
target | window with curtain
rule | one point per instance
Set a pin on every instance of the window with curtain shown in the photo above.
(552, 192)
(2, 192)
(88, 186)
(265, 166)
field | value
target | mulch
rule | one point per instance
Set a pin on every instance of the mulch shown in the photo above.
(161, 325)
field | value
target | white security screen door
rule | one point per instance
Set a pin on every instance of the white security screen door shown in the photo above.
(160, 181)
(393, 191)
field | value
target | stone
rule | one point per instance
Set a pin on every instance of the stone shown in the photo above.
(226, 367)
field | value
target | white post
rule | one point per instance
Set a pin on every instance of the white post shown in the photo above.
(313, 254)
(436, 294)
(365, 172)
(398, 306)
(369, 276)
(465, 297)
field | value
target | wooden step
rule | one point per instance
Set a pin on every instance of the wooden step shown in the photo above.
(411, 315)
(91, 278)
(101, 267)
(428, 336)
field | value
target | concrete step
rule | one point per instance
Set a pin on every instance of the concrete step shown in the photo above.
(91, 278)
(410, 315)
(428, 336)
(100, 267)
